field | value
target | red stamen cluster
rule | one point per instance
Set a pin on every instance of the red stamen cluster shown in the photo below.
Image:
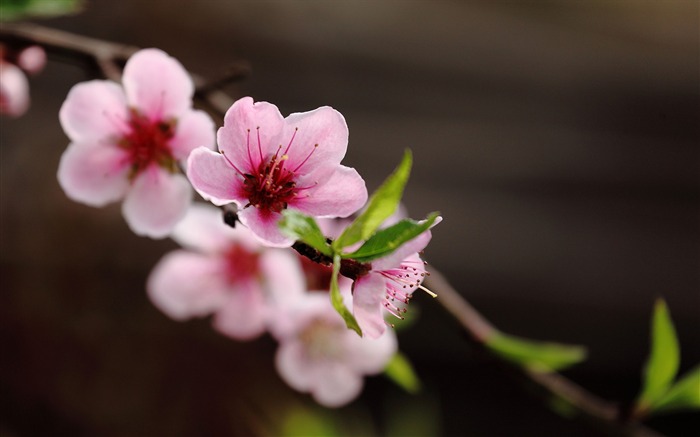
(147, 143)
(400, 286)
(241, 264)
(272, 186)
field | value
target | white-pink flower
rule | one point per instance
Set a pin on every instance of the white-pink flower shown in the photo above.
(14, 87)
(319, 355)
(269, 163)
(388, 285)
(126, 142)
(225, 272)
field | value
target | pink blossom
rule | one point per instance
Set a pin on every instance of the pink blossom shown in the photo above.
(126, 142)
(14, 87)
(225, 272)
(389, 285)
(269, 163)
(318, 354)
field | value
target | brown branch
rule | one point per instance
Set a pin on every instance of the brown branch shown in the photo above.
(108, 59)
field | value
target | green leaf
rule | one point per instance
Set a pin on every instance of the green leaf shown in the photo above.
(380, 206)
(337, 299)
(389, 239)
(662, 365)
(20, 9)
(684, 394)
(401, 372)
(304, 228)
(535, 355)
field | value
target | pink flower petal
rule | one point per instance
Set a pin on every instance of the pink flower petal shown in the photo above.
(335, 384)
(294, 366)
(341, 195)
(238, 138)
(185, 284)
(14, 90)
(157, 85)
(244, 315)
(214, 178)
(370, 355)
(283, 275)
(264, 225)
(203, 229)
(194, 129)
(368, 296)
(95, 111)
(93, 174)
(156, 202)
(324, 127)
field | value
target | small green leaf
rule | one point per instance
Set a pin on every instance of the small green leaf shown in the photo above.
(684, 394)
(307, 422)
(380, 206)
(304, 228)
(20, 9)
(535, 355)
(662, 365)
(337, 299)
(401, 372)
(389, 239)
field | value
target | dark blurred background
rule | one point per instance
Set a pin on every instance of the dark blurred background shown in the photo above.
(560, 141)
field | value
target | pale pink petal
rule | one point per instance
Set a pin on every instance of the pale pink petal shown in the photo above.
(283, 276)
(203, 229)
(214, 178)
(320, 135)
(185, 284)
(194, 129)
(250, 131)
(394, 259)
(341, 195)
(335, 384)
(265, 226)
(294, 366)
(368, 295)
(95, 111)
(14, 90)
(32, 59)
(156, 201)
(370, 355)
(157, 85)
(244, 315)
(94, 174)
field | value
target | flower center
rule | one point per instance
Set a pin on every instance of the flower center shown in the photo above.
(147, 143)
(401, 283)
(321, 340)
(241, 264)
(272, 186)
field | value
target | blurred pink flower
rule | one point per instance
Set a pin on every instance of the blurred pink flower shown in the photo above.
(14, 87)
(269, 163)
(225, 272)
(126, 142)
(318, 354)
(389, 284)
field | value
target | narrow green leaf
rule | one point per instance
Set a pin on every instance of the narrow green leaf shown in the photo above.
(662, 364)
(535, 355)
(684, 394)
(389, 239)
(380, 206)
(401, 372)
(337, 299)
(304, 228)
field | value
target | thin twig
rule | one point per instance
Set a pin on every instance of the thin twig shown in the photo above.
(590, 406)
